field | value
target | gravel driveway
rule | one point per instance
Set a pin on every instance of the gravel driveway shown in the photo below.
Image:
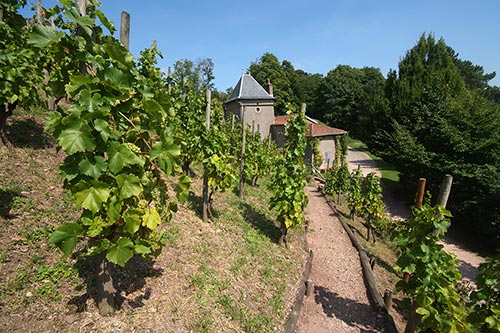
(468, 260)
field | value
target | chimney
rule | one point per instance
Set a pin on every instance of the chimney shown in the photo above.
(270, 87)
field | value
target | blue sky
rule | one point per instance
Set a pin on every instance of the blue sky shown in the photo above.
(315, 36)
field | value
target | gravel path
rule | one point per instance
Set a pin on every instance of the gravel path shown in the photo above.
(339, 302)
(468, 260)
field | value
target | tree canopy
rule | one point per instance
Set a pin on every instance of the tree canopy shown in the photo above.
(443, 119)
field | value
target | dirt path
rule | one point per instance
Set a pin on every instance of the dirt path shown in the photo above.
(468, 260)
(339, 302)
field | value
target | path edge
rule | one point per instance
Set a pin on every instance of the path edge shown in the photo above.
(294, 313)
(369, 278)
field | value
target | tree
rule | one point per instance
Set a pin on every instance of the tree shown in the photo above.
(268, 67)
(349, 98)
(443, 122)
(199, 74)
(305, 87)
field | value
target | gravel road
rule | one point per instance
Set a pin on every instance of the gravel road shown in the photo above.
(468, 260)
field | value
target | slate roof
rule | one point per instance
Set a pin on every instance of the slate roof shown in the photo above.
(248, 88)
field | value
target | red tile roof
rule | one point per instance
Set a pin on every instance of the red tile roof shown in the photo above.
(323, 130)
(314, 130)
(282, 120)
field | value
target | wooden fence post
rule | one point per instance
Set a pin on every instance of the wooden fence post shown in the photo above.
(205, 189)
(420, 192)
(444, 191)
(243, 147)
(39, 11)
(125, 29)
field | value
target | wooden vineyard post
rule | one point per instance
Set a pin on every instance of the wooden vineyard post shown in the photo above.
(444, 191)
(205, 174)
(243, 147)
(125, 29)
(420, 192)
(39, 12)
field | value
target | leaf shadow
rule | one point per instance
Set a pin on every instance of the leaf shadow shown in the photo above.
(126, 280)
(26, 133)
(349, 311)
(260, 222)
(196, 204)
(7, 197)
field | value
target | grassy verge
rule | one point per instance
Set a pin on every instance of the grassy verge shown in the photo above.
(390, 175)
(228, 275)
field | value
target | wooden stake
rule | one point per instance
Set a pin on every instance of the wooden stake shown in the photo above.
(39, 11)
(82, 7)
(206, 199)
(243, 147)
(125, 29)
(232, 122)
(420, 192)
(207, 110)
(444, 191)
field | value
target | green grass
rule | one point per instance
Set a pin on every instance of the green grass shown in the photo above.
(390, 175)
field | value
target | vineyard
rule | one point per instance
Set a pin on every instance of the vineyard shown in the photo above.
(131, 198)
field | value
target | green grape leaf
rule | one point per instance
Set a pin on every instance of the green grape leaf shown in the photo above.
(94, 170)
(91, 195)
(114, 208)
(121, 252)
(102, 127)
(142, 249)
(129, 185)
(105, 22)
(76, 137)
(91, 102)
(65, 237)
(183, 188)
(119, 54)
(153, 107)
(42, 36)
(117, 78)
(76, 82)
(96, 228)
(151, 219)
(132, 221)
(121, 156)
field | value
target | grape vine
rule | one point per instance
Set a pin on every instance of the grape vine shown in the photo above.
(431, 273)
(289, 177)
(118, 137)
